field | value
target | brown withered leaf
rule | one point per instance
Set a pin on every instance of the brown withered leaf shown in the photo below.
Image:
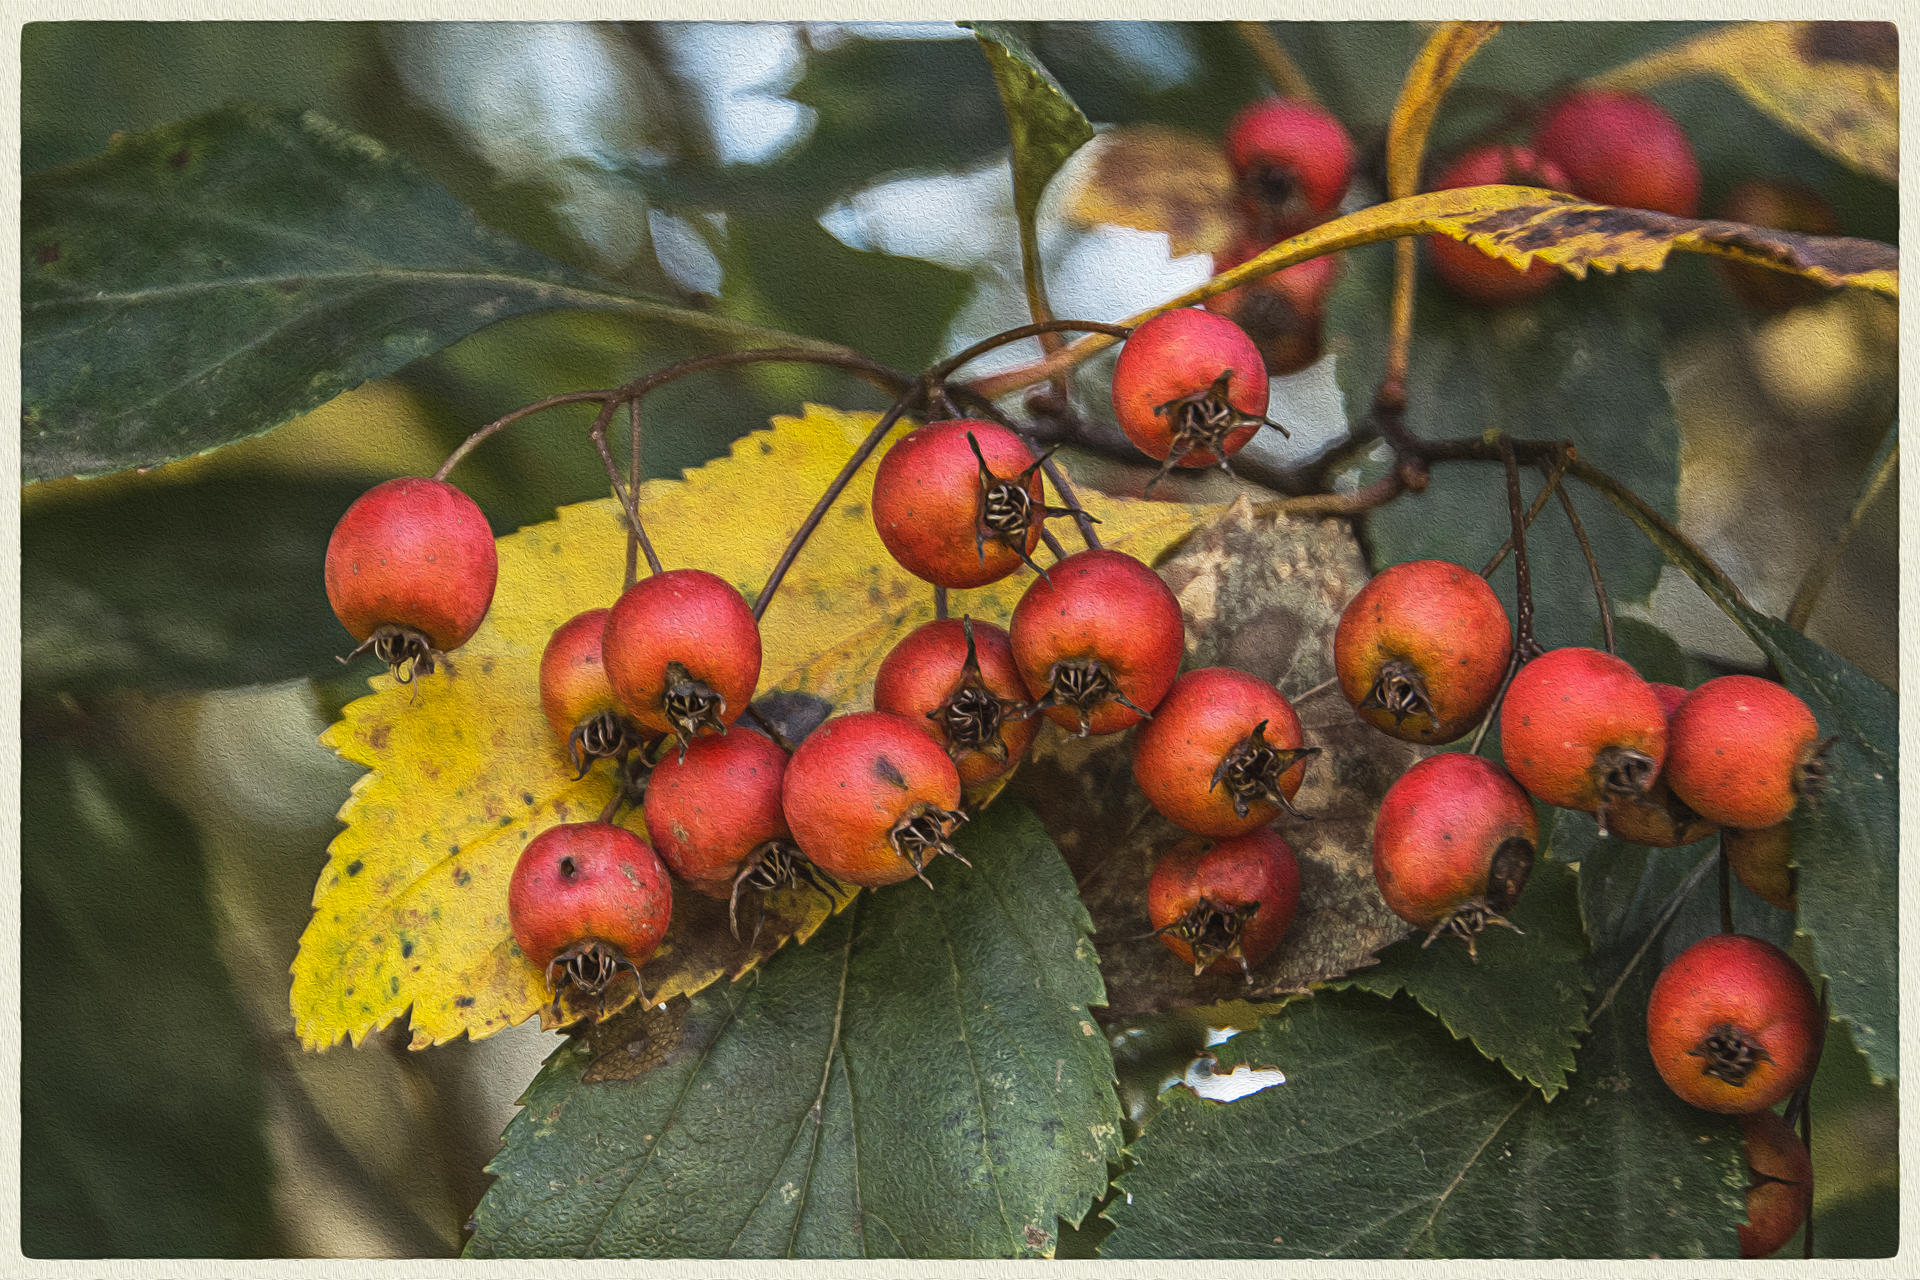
(1836, 84)
(1154, 179)
(1263, 594)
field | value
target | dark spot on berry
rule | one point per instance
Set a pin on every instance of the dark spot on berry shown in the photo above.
(46, 252)
(355, 867)
(885, 768)
(463, 1002)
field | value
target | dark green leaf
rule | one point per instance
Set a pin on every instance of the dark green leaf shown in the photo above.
(1582, 364)
(1042, 118)
(1389, 1139)
(208, 584)
(1523, 1002)
(1847, 846)
(207, 280)
(140, 1096)
(922, 1079)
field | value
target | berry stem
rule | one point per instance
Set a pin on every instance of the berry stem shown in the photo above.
(628, 495)
(504, 421)
(1667, 913)
(1554, 476)
(940, 602)
(1274, 59)
(637, 535)
(834, 489)
(1726, 885)
(1523, 645)
(940, 372)
(1593, 568)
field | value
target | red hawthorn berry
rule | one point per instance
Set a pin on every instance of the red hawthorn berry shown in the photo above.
(1190, 389)
(1659, 819)
(716, 819)
(1224, 905)
(1421, 650)
(682, 651)
(410, 572)
(1743, 751)
(1580, 729)
(1282, 311)
(1733, 1025)
(956, 679)
(588, 900)
(1098, 641)
(959, 503)
(1764, 862)
(1783, 205)
(1453, 844)
(1470, 273)
(578, 701)
(1621, 149)
(870, 798)
(1223, 753)
(1780, 1193)
(1294, 162)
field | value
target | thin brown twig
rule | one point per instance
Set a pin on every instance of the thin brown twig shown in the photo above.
(947, 367)
(1523, 643)
(627, 496)
(1593, 568)
(1554, 477)
(506, 420)
(939, 602)
(637, 534)
(834, 489)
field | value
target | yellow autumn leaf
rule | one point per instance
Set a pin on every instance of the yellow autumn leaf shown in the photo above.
(410, 910)
(1836, 84)
(1153, 178)
(1433, 72)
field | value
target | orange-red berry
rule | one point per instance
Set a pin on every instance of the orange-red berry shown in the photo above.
(1223, 753)
(956, 679)
(577, 699)
(1224, 905)
(1098, 641)
(870, 798)
(1732, 1024)
(587, 901)
(959, 503)
(1763, 860)
(1780, 1186)
(1470, 273)
(1453, 844)
(1189, 388)
(1421, 650)
(410, 571)
(1621, 149)
(1659, 819)
(682, 651)
(1281, 311)
(1293, 160)
(1743, 751)
(1580, 729)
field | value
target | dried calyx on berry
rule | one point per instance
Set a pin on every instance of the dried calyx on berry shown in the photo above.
(769, 868)
(957, 679)
(871, 798)
(1252, 771)
(682, 653)
(577, 699)
(1224, 905)
(972, 716)
(1223, 754)
(1212, 931)
(1008, 512)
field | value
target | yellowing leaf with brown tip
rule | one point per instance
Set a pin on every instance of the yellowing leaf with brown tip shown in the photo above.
(1836, 84)
(410, 911)
(1153, 178)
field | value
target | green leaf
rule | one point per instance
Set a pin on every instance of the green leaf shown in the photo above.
(140, 1095)
(1534, 1023)
(1045, 124)
(199, 585)
(1389, 1139)
(209, 279)
(1847, 845)
(922, 1079)
(1582, 364)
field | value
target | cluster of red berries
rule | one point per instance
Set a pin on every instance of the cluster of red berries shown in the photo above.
(1421, 653)
(1292, 162)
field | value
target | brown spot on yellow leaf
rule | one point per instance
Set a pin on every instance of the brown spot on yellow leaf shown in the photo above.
(1154, 179)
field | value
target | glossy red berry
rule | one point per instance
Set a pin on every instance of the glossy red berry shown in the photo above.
(872, 799)
(1780, 1186)
(1421, 650)
(1622, 149)
(1786, 206)
(410, 571)
(716, 819)
(1098, 641)
(1733, 1025)
(1190, 389)
(577, 699)
(682, 651)
(1659, 819)
(1294, 162)
(1743, 751)
(1224, 905)
(959, 503)
(1281, 311)
(1470, 273)
(1764, 862)
(1453, 844)
(587, 901)
(1580, 729)
(1223, 753)
(956, 679)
